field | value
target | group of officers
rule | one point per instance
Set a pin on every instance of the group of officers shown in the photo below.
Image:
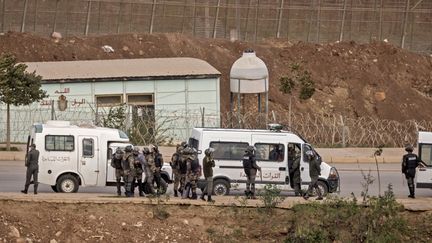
(131, 164)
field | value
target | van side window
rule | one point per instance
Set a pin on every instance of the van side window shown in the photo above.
(270, 152)
(59, 143)
(229, 150)
(425, 153)
(87, 144)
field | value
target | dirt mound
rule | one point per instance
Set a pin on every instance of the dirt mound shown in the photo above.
(355, 80)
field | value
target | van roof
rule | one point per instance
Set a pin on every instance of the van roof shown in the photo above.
(242, 130)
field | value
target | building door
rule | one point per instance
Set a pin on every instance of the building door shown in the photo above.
(424, 174)
(88, 160)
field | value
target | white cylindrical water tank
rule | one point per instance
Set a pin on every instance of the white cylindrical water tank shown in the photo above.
(249, 74)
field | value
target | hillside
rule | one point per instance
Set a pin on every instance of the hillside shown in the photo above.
(356, 80)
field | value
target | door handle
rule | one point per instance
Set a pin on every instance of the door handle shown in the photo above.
(282, 168)
(422, 169)
(302, 168)
(97, 171)
(83, 162)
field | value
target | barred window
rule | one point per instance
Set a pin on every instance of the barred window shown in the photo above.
(59, 143)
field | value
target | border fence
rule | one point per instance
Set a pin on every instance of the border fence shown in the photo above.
(406, 23)
(148, 127)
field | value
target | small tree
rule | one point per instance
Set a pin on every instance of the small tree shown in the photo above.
(17, 87)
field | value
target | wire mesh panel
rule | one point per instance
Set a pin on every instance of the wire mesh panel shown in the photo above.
(406, 23)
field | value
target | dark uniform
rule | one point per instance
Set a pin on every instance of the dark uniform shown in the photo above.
(149, 168)
(175, 166)
(250, 168)
(32, 164)
(314, 173)
(296, 176)
(128, 165)
(208, 164)
(116, 163)
(410, 162)
(158, 161)
(193, 172)
(183, 171)
(138, 165)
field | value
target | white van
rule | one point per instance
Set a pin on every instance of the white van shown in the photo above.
(73, 156)
(230, 145)
(424, 174)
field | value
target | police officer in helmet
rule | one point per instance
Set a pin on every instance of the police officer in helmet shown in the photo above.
(128, 165)
(410, 161)
(116, 163)
(250, 168)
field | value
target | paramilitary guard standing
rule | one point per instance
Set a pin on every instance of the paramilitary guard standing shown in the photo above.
(148, 167)
(116, 163)
(314, 173)
(250, 168)
(128, 170)
(32, 164)
(208, 164)
(183, 170)
(138, 162)
(410, 161)
(296, 175)
(158, 161)
(175, 166)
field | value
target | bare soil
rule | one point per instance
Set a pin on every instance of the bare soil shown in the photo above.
(356, 80)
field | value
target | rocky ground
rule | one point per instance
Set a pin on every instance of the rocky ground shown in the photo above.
(356, 80)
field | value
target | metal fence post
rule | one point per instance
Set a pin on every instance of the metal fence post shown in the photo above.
(119, 17)
(183, 17)
(152, 16)
(88, 17)
(380, 20)
(35, 16)
(23, 20)
(310, 20)
(247, 19)
(55, 15)
(194, 18)
(318, 22)
(343, 21)
(3, 16)
(216, 19)
(405, 23)
(256, 21)
(279, 18)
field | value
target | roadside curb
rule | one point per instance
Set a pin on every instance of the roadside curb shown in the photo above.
(421, 204)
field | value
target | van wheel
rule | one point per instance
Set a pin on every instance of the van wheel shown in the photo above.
(323, 188)
(67, 183)
(54, 188)
(221, 187)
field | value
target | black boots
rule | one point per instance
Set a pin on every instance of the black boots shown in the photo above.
(25, 189)
(175, 193)
(194, 196)
(411, 195)
(209, 199)
(35, 188)
(202, 196)
(118, 188)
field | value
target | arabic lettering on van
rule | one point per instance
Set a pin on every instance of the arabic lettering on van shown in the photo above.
(265, 175)
(55, 159)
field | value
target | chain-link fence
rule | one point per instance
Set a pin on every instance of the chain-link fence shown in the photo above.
(406, 23)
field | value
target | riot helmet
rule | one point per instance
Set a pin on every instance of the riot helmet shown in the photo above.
(250, 150)
(409, 148)
(146, 150)
(209, 151)
(119, 153)
(136, 151)
(129, 148)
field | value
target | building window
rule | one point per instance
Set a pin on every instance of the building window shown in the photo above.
(229, 150)
(87, 144)
(59, 143)
(109, 100)
(270, 152)
(140, 99)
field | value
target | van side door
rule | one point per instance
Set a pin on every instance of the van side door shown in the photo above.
(88, 159)
(424, 174)
(271, 157)
(304, 164)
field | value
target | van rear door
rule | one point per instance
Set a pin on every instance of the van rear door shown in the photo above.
(271, 157)
(424, 174)
(88, 162)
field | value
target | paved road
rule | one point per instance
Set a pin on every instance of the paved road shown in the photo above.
(12, 178)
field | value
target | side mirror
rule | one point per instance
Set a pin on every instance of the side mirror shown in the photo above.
(199, 152)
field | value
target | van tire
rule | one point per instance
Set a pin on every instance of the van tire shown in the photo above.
(54, 188)
(221, 187)
(323, 187)
(67, 184)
